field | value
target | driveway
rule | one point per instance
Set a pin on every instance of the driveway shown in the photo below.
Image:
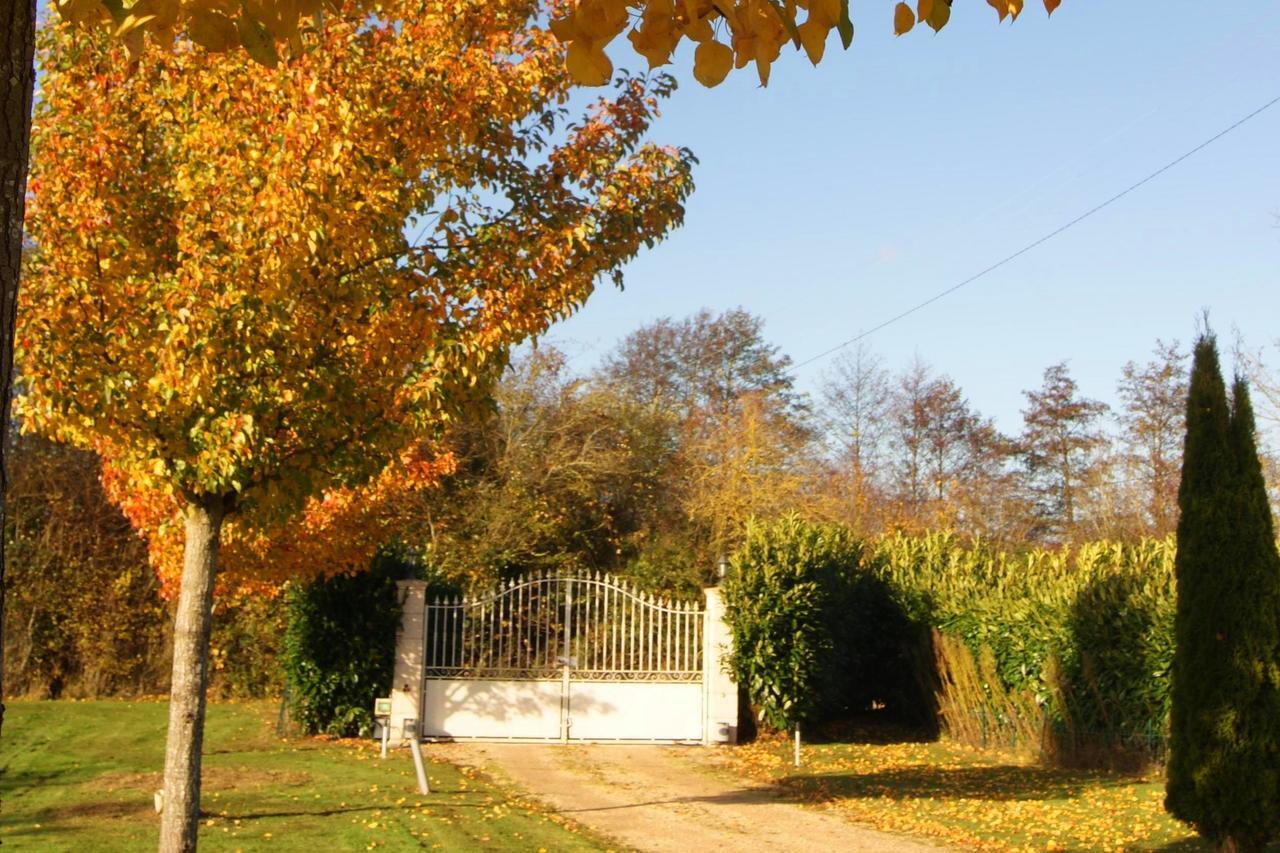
(659, 798)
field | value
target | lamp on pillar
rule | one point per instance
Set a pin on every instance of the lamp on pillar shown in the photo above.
(721, 568)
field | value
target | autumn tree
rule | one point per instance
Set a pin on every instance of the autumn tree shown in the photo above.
(550, 479)
(1153, 401)
(726, 401)
(748, 462)
(231, 310)
(1062, 443)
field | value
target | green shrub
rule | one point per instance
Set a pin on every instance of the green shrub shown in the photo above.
(778, 595)
(339, 647)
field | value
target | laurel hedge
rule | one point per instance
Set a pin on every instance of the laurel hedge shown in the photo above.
(338, 651)
(1059, 652)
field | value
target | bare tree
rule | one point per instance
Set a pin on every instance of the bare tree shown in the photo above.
(1062, 446)
(1154, 398)
(948, 461)
(703, 363)
(856, 417)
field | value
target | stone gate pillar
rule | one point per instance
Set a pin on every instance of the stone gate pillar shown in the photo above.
(406, 684)
(720, 724)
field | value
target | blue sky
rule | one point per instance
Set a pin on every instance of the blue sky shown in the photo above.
(843, 194)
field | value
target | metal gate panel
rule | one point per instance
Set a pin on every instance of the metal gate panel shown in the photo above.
(598, 658)
(635, 710)
(476, 708)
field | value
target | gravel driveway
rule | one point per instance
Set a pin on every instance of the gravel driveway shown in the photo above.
(657, 798)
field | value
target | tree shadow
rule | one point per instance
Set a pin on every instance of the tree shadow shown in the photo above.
(997, 782)
(483, 800)
(880, 727)
(1184, 845)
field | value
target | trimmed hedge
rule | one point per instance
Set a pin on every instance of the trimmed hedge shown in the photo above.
(338, 653)
(779, 599)
(1060, 652)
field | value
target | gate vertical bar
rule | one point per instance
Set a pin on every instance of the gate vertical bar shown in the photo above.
(679, 657)
(565, 704)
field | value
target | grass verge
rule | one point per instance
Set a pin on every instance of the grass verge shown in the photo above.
(969, 798)
(80, 776)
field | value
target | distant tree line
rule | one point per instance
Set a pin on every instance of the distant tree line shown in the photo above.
(651, 463)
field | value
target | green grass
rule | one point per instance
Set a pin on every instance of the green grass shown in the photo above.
(970, 798)
(80, 776)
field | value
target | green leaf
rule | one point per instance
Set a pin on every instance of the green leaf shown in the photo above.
(845, 25)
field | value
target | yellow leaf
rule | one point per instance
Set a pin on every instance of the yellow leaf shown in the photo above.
(712, 62)
(654, 46)
(564, 28)
(163, 13)
(588, 64)
(825, 10)
(813, 36)
(601, 20)
(762, 69)
(213, 31)
(939, 14)
(131, 23)
(699, 30)
(903, 19)
(256, 40)
(83, 11)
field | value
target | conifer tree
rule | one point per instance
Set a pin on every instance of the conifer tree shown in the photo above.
(1224, 763)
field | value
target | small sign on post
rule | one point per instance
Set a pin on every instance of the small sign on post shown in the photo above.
(382, 715)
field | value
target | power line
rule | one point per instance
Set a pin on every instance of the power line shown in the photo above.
(1040, 241)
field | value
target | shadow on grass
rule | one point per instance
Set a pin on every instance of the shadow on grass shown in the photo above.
(997, 782)
(877, 728)
(1196, 845)
(427, 801)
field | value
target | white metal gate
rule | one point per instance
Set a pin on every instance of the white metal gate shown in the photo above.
(563, 657)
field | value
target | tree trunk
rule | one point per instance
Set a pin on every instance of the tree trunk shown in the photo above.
(180, 815)
(17, 77)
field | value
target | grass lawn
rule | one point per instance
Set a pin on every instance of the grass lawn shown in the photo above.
(972, 799)
(80, 776)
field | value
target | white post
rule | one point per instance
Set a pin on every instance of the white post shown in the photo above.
(797, 744)
(720, 724)
(406, 684)
(418, 765)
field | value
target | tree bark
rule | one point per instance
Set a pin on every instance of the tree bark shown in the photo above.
(17, 79)
(180, 814)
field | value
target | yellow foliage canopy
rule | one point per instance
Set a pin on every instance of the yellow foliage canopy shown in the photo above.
(744, 30)
(267, 286)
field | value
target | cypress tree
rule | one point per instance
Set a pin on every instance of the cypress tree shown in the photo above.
(1224, 761)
